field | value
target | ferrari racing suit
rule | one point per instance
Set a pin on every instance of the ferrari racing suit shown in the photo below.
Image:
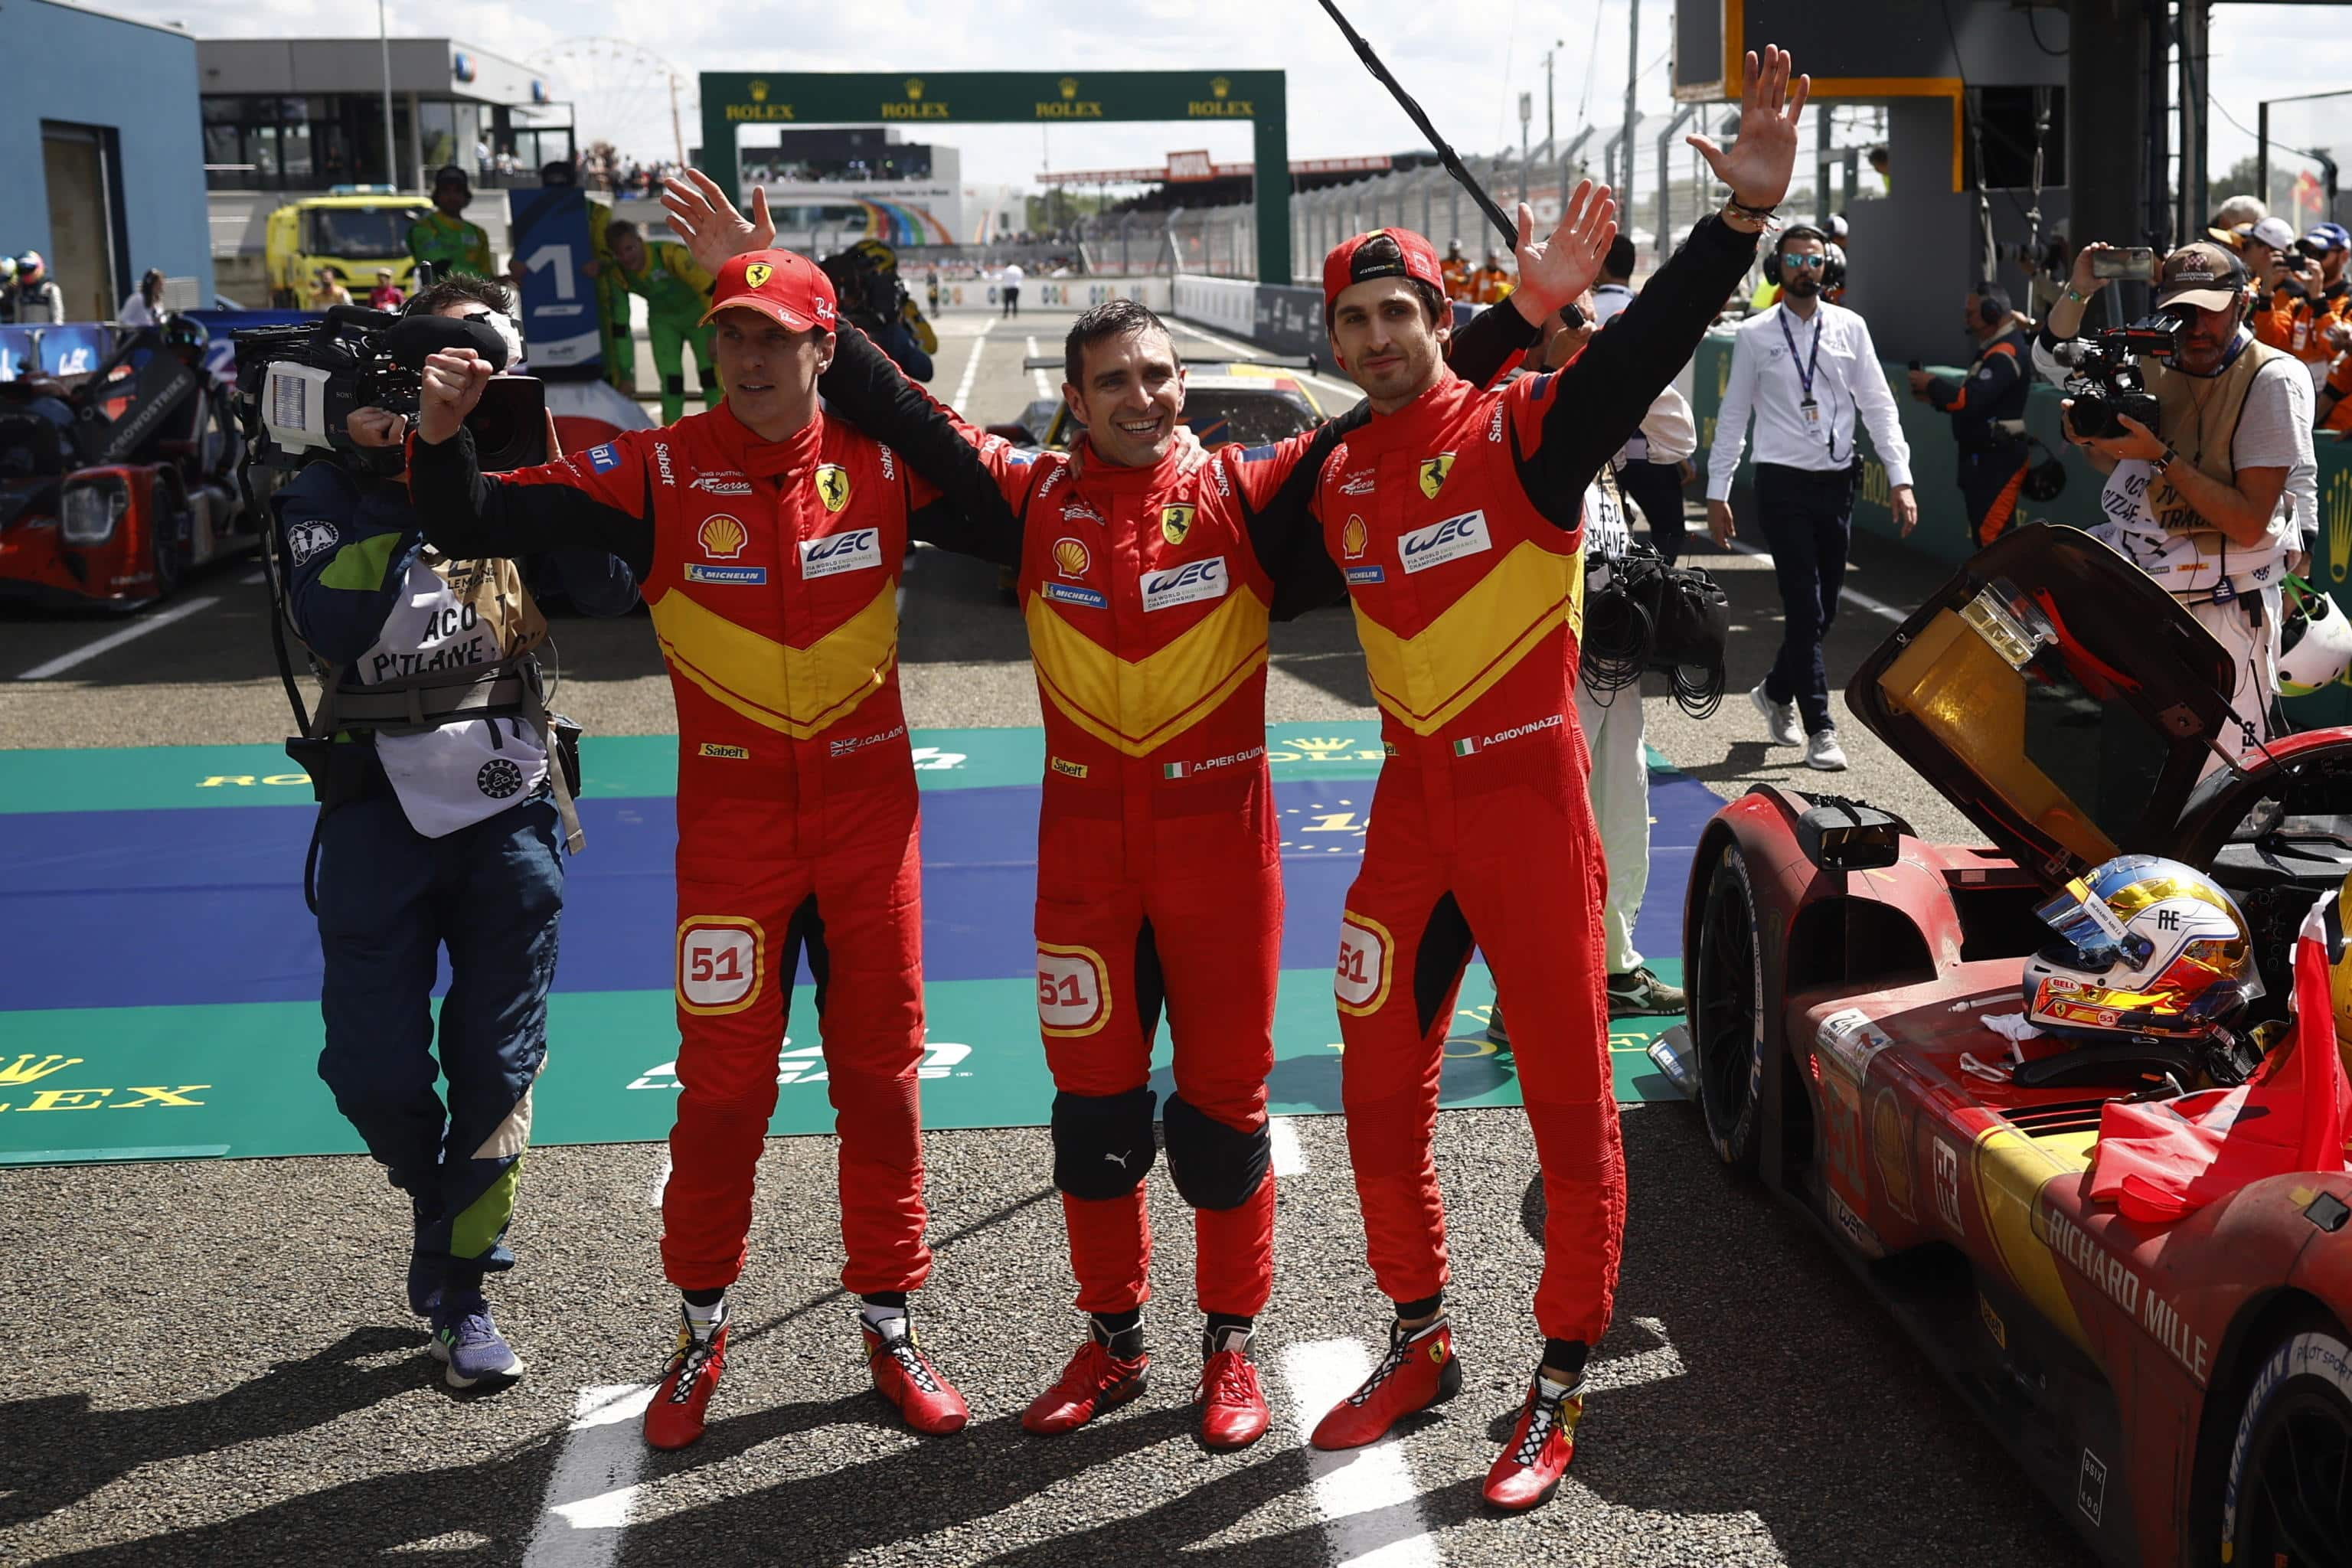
(1456, 521)
(772, 570)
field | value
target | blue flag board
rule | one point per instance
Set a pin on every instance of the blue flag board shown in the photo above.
(548, 229)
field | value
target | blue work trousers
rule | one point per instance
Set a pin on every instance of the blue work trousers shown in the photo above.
(388, 897)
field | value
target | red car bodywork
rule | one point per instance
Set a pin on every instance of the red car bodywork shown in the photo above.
(1844, 1056)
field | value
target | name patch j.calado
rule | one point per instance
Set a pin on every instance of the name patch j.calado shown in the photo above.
(1441, 542)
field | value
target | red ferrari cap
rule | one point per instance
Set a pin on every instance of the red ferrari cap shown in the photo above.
(788, 289)
(1416, 259)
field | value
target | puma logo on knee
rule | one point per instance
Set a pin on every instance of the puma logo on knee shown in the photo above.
(1120, 1160)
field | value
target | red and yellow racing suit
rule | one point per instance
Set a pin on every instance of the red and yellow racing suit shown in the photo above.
(1456, 523)
(772, 570)
(1147, 593)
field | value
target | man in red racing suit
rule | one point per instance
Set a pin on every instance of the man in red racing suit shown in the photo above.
(769, 539)
(1454, 515)
(1147, 580)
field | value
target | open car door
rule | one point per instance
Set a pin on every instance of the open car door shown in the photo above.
(2057, 696)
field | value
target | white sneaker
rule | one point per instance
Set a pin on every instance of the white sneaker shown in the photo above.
(1823, 751)
(1779, 718)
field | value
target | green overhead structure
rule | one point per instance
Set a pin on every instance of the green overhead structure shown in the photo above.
(733, 100)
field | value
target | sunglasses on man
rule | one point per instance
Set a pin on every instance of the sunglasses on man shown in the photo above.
(1814, 263)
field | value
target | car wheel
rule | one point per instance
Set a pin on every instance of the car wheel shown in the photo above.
(2283, 1503)
(169, 523)
(1726, 1010)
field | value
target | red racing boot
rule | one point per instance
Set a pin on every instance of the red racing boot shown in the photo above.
(1094, 1382)
(1418, 1372)
(1528, 1469)
(674, 1419)
(1233, 1407)
(904, 1376)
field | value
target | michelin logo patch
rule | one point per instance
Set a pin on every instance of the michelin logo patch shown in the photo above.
(1368, 574)
(837, 552)
(1071, 593)
(732, 576)
(604, 459)
(1185, 584)
(1447, 540)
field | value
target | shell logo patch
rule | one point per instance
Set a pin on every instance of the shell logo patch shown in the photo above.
(1433, 473)
(1071, 557)
(722, 537)
(757, 274)
(833, 486)
(1175, 522)
(1353, 537)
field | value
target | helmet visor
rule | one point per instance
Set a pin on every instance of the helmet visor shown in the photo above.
(2090, 937)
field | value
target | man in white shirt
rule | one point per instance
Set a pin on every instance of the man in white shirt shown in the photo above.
(1010, 285)
(2210, 502)
(1806, 369)
(1649, 468)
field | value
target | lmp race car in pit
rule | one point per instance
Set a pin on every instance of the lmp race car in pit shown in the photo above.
(114, 484)
(2183, 1390)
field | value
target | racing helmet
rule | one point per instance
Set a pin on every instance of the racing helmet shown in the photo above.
(2141, 946)
(2315, 646)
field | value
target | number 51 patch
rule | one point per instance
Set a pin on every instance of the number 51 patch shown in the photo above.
(721, 960)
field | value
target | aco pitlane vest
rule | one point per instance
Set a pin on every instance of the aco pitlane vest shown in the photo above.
(1147, 610)
(774, 588)
(1463, 593)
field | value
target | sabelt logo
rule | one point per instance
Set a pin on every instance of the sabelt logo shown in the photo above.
(1353, 537)
(729, 753)
(1185, 584)
(1071, 557)
(1449, 540)
(722, 536)
(661, 461)
(835, 553)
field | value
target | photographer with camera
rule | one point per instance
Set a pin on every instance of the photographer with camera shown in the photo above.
(2205, 437)
(1993, 459)
(440, 828)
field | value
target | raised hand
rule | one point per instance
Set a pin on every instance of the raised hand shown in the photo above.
(1758, 164)
(1553, 272)
(452, 381)
(701, 215)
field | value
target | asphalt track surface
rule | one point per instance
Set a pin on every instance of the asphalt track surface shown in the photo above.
(215, 1365)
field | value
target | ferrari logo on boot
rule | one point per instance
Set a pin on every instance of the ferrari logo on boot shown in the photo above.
(833, 487)
(1175, 522)
(1433, 473)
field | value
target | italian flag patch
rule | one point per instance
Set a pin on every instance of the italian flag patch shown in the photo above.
(1174, 770)
(1464, 746)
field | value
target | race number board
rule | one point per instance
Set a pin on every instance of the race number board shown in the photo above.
(549, 232)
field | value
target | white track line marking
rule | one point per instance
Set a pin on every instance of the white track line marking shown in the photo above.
(971, 366)
(251, 578)
(1861, 601)
(660, 1183)
(1289, 1159)
(112, 641)
(1037, 377)
(1371, 1514)
(595, 1480)
(1347, 390)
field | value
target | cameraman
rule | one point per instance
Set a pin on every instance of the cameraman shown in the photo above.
(440, 836)
(1994, 394)
(2210, 502)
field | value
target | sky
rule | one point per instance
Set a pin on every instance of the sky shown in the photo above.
(1467, 76)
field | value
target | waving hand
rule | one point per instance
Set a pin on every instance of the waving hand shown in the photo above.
(1758, 163)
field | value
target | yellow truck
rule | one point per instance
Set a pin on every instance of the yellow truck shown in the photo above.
(351, 234)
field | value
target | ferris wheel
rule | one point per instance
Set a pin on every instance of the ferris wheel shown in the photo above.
(623, 93)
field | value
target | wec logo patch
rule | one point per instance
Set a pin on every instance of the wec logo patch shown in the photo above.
(1185, 584)
(1449, 540)
(835, 553)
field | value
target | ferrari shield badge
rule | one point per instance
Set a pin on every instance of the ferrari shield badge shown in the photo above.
(1433, 473)
(758, 273)
(1175, 522)
(833, 486)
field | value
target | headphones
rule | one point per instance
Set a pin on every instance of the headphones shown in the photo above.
(1993, 304)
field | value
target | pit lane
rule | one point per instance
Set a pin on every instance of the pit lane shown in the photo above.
(219, 1369)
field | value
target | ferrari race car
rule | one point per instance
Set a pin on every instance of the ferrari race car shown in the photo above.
(2183, 1391)
(114, 484)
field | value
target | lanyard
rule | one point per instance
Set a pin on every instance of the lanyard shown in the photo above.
(1806, 367)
